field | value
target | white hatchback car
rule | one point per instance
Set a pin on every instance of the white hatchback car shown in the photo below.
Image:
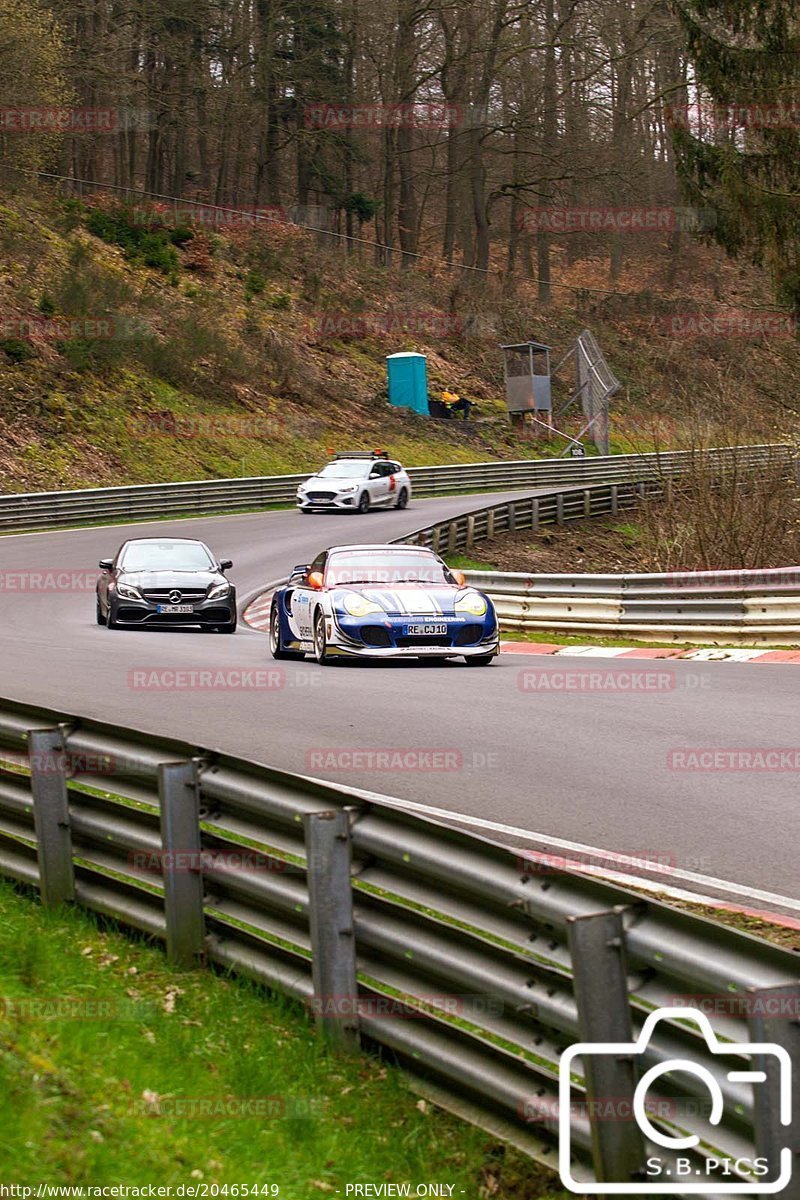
(356, 483)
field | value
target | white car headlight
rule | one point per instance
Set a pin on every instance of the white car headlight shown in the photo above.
(472, 603)
(219, 590)
(351, 487)
(128, 592)
(360, 606)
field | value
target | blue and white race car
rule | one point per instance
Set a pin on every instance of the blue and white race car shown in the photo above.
(381, 602)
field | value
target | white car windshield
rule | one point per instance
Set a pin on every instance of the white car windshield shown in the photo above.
(167, 556)
(346, 469)
(384, 567)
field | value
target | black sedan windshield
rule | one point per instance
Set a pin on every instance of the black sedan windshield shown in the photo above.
(166, 556)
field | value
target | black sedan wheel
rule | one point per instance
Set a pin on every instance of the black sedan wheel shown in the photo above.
(99, 613)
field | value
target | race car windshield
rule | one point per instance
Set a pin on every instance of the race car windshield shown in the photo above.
(346, 470)
(166, 556)
(383, 568)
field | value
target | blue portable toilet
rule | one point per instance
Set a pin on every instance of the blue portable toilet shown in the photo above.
(408, 381)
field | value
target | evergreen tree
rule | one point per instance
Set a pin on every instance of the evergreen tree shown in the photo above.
(740, 153)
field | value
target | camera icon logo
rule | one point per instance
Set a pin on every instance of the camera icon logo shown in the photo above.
(691, 1179)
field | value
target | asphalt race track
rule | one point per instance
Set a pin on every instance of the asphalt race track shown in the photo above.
(589, 766)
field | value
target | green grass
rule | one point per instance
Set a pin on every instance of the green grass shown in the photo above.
(587, 639)
(79, 1096)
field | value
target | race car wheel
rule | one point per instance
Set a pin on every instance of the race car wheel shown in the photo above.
(320, 640)
(479, 660)
(100, 618)
(363, 502)
(402, 499)
(275, 642)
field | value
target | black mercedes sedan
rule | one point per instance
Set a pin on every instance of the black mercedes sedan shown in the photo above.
(165, 581)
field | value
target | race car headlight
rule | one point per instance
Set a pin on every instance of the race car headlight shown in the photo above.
(351, 487)
(128, 592)
(472, 603)
(219, 590)
(360, 606)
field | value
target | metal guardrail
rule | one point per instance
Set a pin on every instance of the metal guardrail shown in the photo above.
(706, 606)
(502, 958)
(49, 510)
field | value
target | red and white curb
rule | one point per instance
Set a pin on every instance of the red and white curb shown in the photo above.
(256, 615)
(711, 654)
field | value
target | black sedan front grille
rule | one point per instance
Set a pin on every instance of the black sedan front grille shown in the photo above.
(163, 596)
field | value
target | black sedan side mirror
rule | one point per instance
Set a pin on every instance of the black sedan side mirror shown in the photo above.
(106, 564)
(225, 564)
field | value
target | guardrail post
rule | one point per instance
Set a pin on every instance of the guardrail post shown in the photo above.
(452, 537)
(512, 517)
(587, 502)
(436, 537)
(560, 508)
(534, 513)
(333, 944)
(51, 816)
(614, 499)
(490, 524)
(179, 793)
(597, 951)
(470, 533)
(774, 1016)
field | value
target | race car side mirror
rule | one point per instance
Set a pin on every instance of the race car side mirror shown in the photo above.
(105, 564)
(315, 580)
